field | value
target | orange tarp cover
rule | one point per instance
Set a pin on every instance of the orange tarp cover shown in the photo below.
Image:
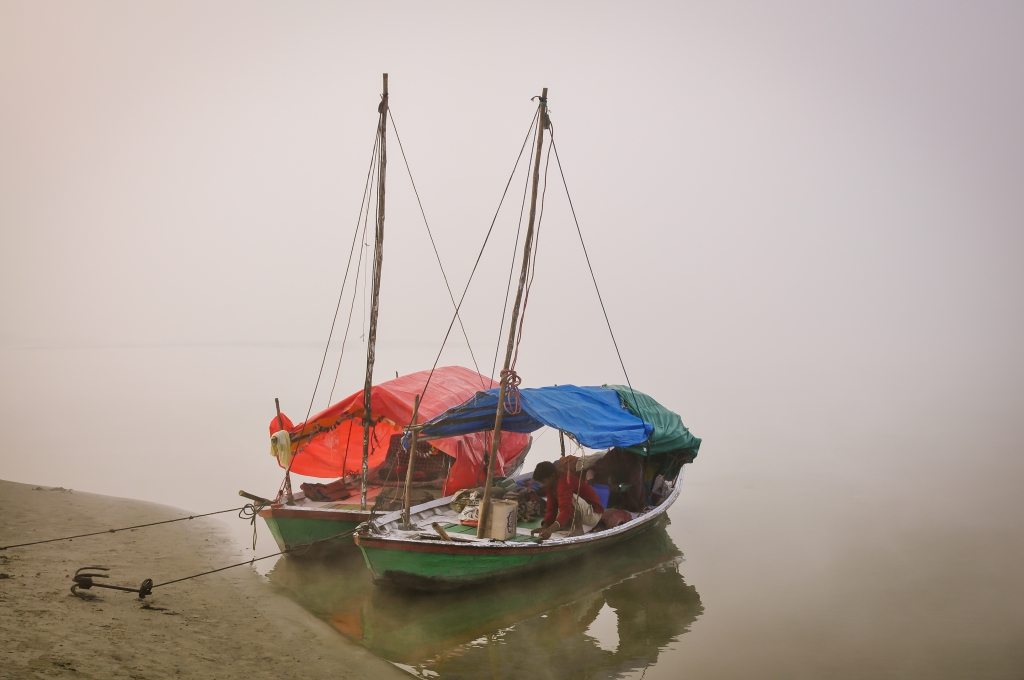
(336, 448)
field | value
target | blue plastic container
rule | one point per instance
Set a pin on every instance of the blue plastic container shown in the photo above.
(602, 493)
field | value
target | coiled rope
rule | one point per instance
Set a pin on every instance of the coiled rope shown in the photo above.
(513, 398)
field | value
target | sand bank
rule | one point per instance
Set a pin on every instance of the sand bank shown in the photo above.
(225, 625)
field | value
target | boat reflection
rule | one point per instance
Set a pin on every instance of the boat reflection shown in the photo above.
(602, 616)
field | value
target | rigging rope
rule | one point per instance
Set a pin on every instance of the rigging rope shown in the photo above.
(590, 267)
(348, 324)
(512, 262)
(532, 262)
(430, 235)
(363, 212)
(323, 362)
(479, 256)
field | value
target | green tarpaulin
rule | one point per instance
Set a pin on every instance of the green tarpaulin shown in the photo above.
(669, 432)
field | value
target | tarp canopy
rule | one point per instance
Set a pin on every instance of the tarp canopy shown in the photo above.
(330, 444)
(594, 416)
(669, 432)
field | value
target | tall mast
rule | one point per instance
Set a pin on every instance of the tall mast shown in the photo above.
(378, 258)
(485, 504)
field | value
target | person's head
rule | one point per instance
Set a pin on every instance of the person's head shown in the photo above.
(545, 473)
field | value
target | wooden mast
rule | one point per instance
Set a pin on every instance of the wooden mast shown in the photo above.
(485, 504)
(378, 257)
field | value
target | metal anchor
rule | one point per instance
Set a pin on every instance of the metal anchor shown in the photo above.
(84, 576)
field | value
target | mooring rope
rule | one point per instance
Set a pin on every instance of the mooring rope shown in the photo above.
(303, 547)
(137, 526)
(84, 577)
(250, 511)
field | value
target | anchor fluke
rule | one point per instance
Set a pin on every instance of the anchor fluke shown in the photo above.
(84, 576)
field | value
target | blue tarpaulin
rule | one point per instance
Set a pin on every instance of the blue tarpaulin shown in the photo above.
(595, 416)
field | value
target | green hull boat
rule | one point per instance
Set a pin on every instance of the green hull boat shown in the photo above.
(426, 560)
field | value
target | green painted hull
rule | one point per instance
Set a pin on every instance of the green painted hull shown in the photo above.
(313, 535)
(444, 566)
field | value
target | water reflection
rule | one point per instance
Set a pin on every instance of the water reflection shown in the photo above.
(604, 616)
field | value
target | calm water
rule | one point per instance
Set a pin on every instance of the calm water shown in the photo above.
(873, 531)
(600, 617)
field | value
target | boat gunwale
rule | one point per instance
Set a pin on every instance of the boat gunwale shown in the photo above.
(281, 510)
(498, 547)
(326, 514)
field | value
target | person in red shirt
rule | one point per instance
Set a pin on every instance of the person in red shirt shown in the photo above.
(572, 504)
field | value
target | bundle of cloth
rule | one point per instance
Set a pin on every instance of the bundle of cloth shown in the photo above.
(333, 491)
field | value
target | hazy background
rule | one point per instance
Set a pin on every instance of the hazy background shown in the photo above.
(806, 220)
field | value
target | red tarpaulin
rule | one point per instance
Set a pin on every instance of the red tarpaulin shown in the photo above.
(336, 447)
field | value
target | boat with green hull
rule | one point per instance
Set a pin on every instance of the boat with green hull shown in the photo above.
(435, 548)
(426, 561)
(354, 441)
(637, 445)
(313, 522)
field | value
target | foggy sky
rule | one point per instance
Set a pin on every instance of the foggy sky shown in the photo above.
(805, 217)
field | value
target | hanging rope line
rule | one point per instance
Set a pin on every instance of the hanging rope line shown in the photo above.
(327, 347)
(348, 324)
(532, 267)
(433, 244)
(360, 235)
(479, 256)
(365, 218)
(137, 526)
(512, 261)
(341, 293)
(590, 267)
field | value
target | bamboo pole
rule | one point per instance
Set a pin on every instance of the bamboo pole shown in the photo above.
(412, 459)
(378, 261)
(485, 504)
(289, 497)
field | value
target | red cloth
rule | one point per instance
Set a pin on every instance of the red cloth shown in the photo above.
(337, 447)
(567, 483)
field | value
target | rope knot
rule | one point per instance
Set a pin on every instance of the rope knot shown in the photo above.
(513, 399)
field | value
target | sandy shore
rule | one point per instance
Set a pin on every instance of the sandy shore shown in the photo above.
(224, 625)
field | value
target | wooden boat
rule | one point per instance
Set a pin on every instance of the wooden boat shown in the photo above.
(326, 445)
(311, 526)
(435, 550)
(427, 547)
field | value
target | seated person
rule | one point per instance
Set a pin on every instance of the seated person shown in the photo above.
(623, 472)
(572, 504)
